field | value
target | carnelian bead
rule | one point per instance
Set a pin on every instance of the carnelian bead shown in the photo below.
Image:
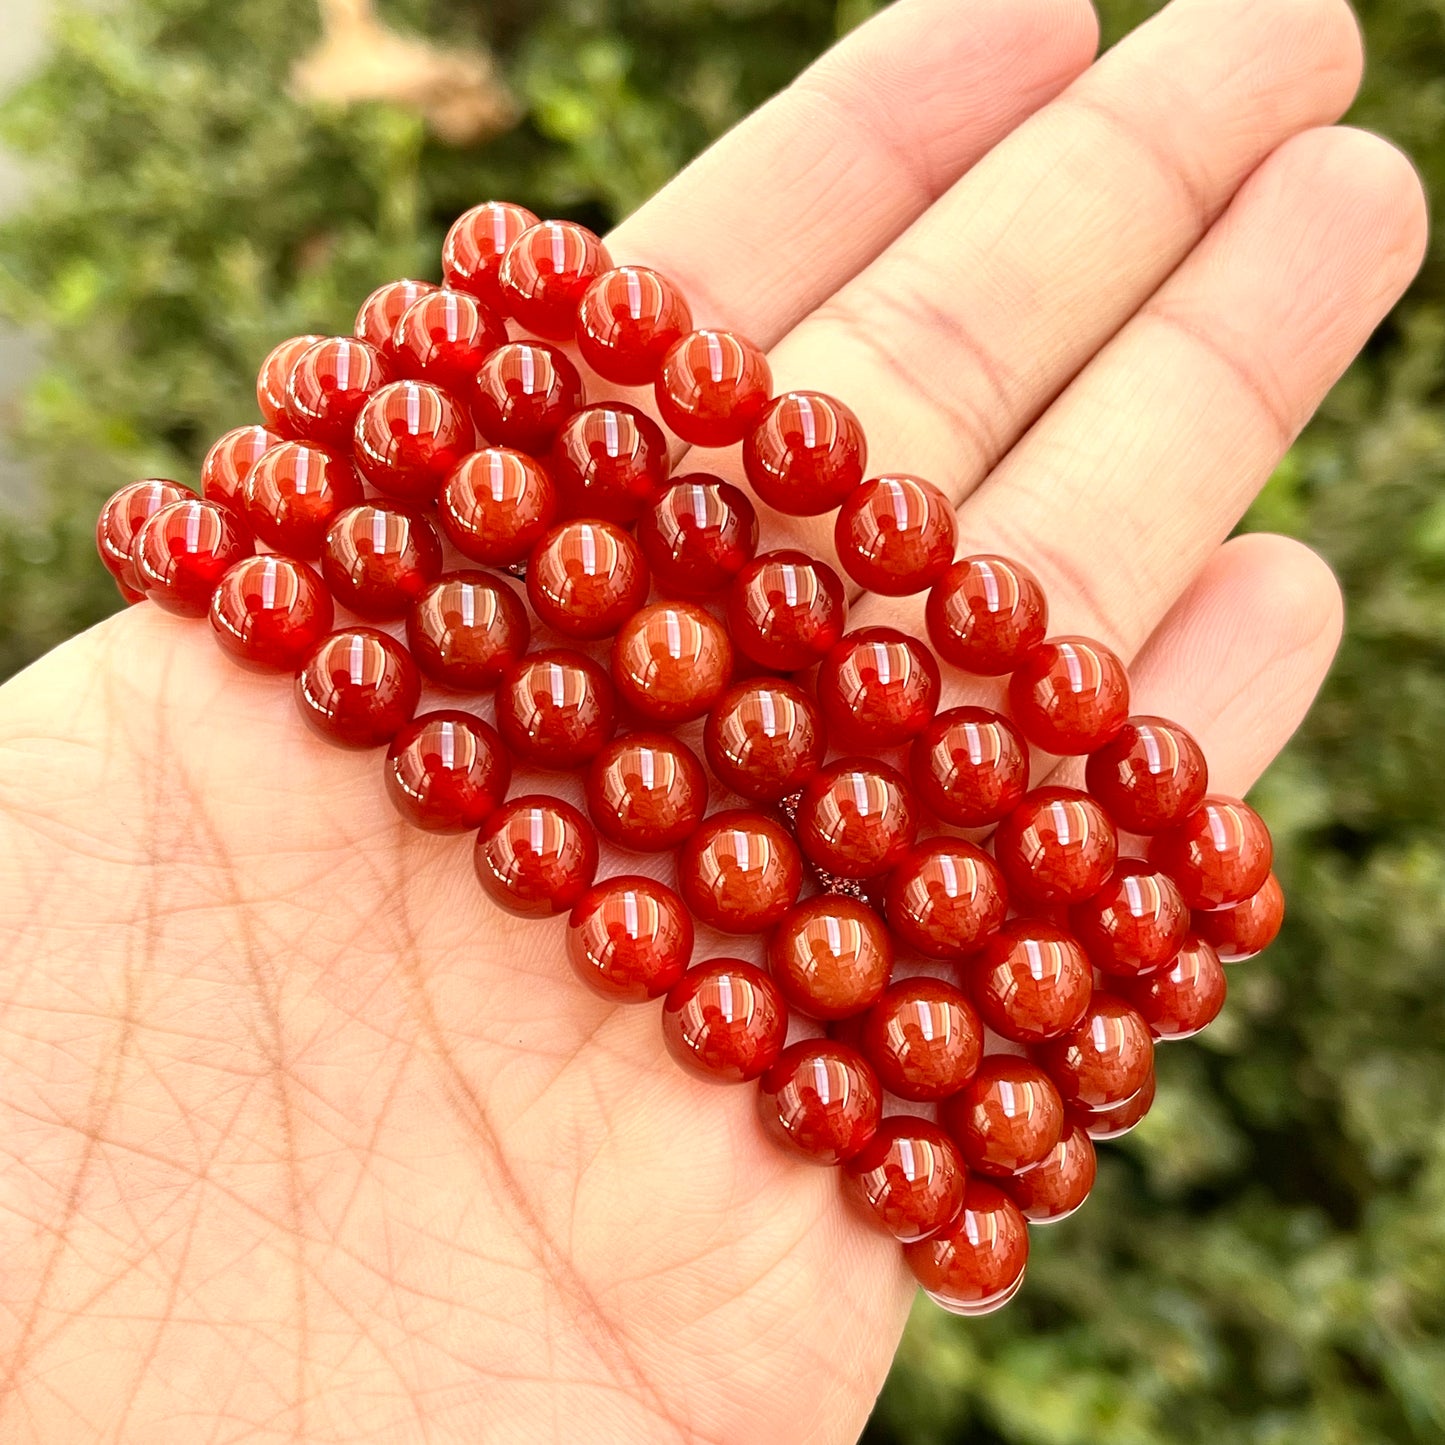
(466, 629)
(646, 791)
(725, 1021)
(831, 957)
(555, 708)
(877, 687)
(712, 388)
(585, 579)
(820, 1100)
(786, 610)
(764, 738)
(985, 613)
(1105, 1059)
(409, 437)
(945, 897)
(329, 385)
(895, 535)
(1031, 982)
(908, 1180)
(1135, 923)
(1242, 930)
(698, 536)
(358, 688)
(536, 856)
(1069, 695)
(1185, 996)
(444, 338)
(447, 772)
(1150, 777)
(473, 250)
(1059, 1184)
(497, 505)
(609, 460)
(378, 560)
(924, 1038)
(627, 320)
(180, 552)
(806, 454)
(545, 272)
(976, 1265)
(524, 392)
(269, 612)
(1118, 1119)
(294, 492)
(739, 871)
(1057, 847)
(671, 662)
(629, 938)
(856, 818)
(224, 470)
(1007, 1117)
(271, 383)
(970, 766)
(1220, 854)
(376, 321)
(123, 516)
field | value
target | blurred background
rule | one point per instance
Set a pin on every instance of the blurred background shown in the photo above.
(183, 182)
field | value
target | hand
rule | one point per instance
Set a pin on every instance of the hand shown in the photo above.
(303, 1140)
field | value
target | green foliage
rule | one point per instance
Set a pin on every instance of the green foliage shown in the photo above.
(1264, 1262)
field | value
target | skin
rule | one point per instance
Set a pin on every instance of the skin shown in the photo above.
(304, 1141)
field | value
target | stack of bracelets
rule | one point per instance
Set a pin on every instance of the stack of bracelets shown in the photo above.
(1065, 961)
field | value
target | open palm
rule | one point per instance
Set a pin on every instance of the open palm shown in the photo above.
(300, 1138)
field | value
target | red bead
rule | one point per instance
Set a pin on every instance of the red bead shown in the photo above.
(524, 392)
(976, 1265)
(292, 495)
(378, 559)
(546, 271)
(671, 662)
(856, 818)
(739, 871)
(376, 321)
(924, 1038)
(123, 516)
(609, 460)
(1135, 923)
(1150, 777)
(329, 385)
(358, 688)
(698, 536)
(1103, 1061)
(1054, 1188)
(410, 436)
(269, 612)
(536, 856)
(985, 613)
(1118, 1119)
(1242, 930)
(629, 938)
(226, 464)
(725, 1021)
(1220, 854)
(627, 320)
(945, 898)
(908, 1180)
(555, 708)
(1007, 1117)
(970, 766)
(585, 579)
(180, 552)
(646, 791)
(820, 1100)
(877, 687)
(271, 383)
(806, 455)
(1057, 847)
(1185, 996)
(764, 738)
(831, 957)
(1031, 982)
(473, 250)
(786, 610)
(1069, 695)
(466, 630)
(496, 506)
(712, 388)
(444, 338)
(895, 535)
(447, 772)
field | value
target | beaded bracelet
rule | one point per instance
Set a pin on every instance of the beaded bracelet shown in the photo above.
(1070, 958)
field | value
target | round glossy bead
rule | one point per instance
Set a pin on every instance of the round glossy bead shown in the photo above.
(545, 272)
(698, 536)
(585, 579)
(1103, 1061)
(786, 610)
(877, 687)
(226, 464)
(831, 957)
(627, 320)
(764, 738)
(123, 516)
(924, 1038)
(358, 688)
(1069, 695)
(895, 535)
(739, 871)
(1135, 923)
(409, 438)
(725, 1021)
(856, 818)
(712, 388)
(536, 856)
(646, 791)
(1057, 847)
(270, 612)
(1242, 930)
(1007, 1117)
(1117, 1120)
(376, 321)
(985, 613)
(378, 560)
(820, 1100)
(1150, 777)
(806, 455)
(180, 552)
(473, 250)
(1055, 1187)
(291, 496)
(447, 772)
(629, 938)
(977, 1264)
(609, 460)
(444, 338)
(970, 766)
(496, 505)
(1031, 982)
(524, 392)
(945, 898)
(555, 708)
(1220, 854)
(329, 385)
(271, 383)
(671, 662)
(908, 1180)
(466, 629)
(1185, 996)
